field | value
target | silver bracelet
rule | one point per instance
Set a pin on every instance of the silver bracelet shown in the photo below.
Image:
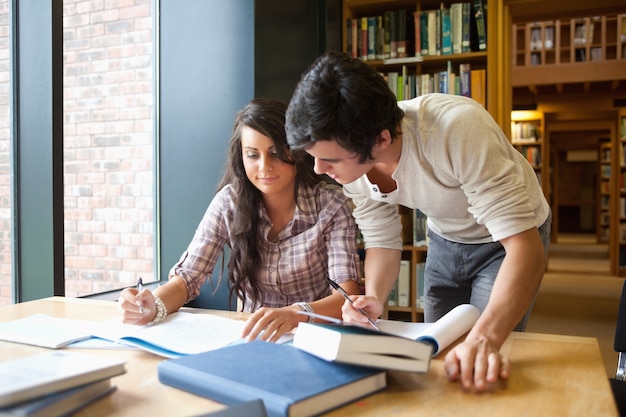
(161, 311)
(306, 307)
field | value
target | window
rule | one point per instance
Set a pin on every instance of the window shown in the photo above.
(5, 159)
(109, 145)
(79, 210)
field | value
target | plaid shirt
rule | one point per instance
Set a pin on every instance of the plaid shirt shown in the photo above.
(319, 241)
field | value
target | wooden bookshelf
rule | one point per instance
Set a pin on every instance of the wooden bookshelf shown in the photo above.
(605, 156)
(482, 62)
(569, 50)
(527, 137)
(619, 191)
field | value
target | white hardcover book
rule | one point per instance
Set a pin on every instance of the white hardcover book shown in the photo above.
(37, 375)
(404, 286)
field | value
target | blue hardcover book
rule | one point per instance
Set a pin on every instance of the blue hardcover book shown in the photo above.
(446, 37)
(290, 381)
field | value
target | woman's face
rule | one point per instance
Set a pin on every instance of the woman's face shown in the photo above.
(263, 167)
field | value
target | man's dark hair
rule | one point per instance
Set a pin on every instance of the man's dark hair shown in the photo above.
(343, 99)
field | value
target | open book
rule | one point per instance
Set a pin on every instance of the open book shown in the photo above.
(398, 345)
(179, 334)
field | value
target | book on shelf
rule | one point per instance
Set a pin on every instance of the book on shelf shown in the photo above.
(288, 380)
(386, 35)
(417, 34)
(446, 39)
(61, 403)
(42, 374)
(401, 37)
(420, 228)
(404, 283)
(466, 27)
(364, 39)
(392, 299)
(420, 267)
(393, 34)
(380, 37)
(456, 27)
(398, 345)
(354, 38)
(434, 27)
(480, 22)
(478, 83)
(465, 83)
(371, 38)
(446, 30)
(424, 41)
(177, 335)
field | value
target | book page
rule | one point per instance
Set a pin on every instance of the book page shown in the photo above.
(442, 333)
(410, 330)
(179, 334)
(43, 330)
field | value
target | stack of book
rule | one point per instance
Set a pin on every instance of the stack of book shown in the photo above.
(55, 383)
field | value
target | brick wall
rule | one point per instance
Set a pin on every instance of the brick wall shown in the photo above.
(109, 148)
(108, 132)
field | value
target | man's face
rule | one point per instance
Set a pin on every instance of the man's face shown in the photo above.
(337, 162)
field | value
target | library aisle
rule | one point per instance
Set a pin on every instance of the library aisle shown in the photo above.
(578, 296)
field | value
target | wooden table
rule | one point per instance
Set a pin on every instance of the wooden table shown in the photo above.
(551, 375)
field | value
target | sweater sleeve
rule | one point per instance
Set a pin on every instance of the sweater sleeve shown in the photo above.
(474, 151)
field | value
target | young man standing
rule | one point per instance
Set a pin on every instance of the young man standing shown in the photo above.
(488, 219)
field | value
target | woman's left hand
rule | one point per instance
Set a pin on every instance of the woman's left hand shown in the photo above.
(270, 324)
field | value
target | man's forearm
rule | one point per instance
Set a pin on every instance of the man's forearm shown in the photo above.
(381, 271)
(515, 287)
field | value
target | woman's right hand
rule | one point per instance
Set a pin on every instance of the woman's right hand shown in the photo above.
(137, 307)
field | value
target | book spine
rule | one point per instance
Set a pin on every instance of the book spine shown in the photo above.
(393, 34)
(392, 300)
(480, 21)
(478, 77)
(446, 37)
(401, 36)
(392, 82)
(466, 15)
(371, 38)
(364, 38)
(404, 288)
(433, 33)
(387, 35)
(419, 284)
(417, 31)
(438, 32)
(443, 82)
(380, 38)
(424, 33)
(456, 29)
(349, 36)
(464, 80)
(354, 34)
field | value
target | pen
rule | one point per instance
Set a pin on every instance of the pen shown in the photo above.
(139, 288)
(347, 297)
